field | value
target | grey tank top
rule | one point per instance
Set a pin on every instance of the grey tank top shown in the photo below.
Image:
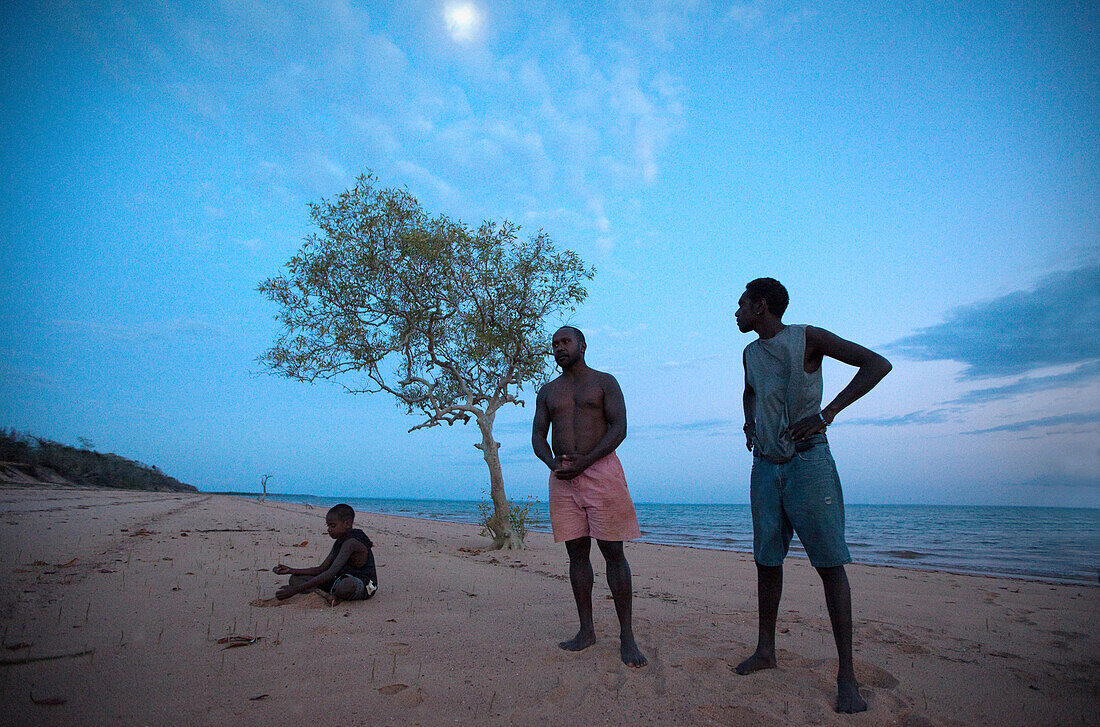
(785, 393)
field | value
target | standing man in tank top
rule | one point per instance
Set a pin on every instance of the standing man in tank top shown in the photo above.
(794, 486)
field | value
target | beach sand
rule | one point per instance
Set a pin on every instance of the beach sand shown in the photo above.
(114, 603)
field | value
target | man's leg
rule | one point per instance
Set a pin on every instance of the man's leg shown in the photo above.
(580, 577)
(838, 598)
(769, 589)
(618, 580)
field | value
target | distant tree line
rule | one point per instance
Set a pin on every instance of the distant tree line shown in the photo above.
(84, 466)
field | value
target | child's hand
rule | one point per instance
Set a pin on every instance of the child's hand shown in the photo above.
(285, 592)
(280, 570)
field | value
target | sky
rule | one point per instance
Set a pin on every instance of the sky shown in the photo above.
(923, 177)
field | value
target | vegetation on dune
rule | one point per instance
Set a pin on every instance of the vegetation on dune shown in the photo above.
(26, 457)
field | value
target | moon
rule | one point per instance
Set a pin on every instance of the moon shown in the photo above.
(463, 20)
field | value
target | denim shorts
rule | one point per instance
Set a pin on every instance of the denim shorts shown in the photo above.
(800, 496)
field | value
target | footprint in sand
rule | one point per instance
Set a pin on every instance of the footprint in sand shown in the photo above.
(911, 648)
(912, 719)
(735, 714)
(875, 676)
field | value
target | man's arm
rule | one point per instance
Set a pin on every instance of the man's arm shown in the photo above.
(541, 428)
(872, 368)
(332, 567)
(614, 412)
(748, 401)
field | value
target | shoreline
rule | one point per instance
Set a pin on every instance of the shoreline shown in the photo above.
(863, 553)
(120, 599)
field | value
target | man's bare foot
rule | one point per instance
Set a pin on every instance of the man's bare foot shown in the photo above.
(631, 654)
(580, 642)
(757, 662)
(848, 700)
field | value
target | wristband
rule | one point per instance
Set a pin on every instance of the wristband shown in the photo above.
(823, 419)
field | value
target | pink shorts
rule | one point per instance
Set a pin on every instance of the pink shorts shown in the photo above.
(595, 504)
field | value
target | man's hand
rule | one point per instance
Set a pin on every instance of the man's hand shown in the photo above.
(285, 592)
(281, 570)
(750, 432)
(570, 466)
(806, 428)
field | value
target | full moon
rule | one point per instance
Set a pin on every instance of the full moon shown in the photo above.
(463, 20)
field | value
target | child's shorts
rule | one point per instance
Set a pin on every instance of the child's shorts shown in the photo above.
(363, 590)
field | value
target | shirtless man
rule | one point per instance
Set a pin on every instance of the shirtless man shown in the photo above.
(588, 493)
(794, 486)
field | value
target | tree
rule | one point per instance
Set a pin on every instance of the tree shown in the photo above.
(449, 321)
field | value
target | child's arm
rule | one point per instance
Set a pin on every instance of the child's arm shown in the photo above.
(286, 570)
(321, 574)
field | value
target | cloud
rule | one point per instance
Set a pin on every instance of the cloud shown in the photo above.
(1060, 420)
(748, 15)
(699, 427)
(763, 17)
(1075, 481)
(425, 177)
(921, 416)
(171, 329)
(615, 333)
(1054, 323)
(1082, 374)
(691, 362)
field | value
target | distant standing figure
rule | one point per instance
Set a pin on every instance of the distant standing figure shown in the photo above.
(347, 573)
(588, 493)
(794, 485)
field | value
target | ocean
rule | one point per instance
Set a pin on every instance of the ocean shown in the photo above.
(1055, 544)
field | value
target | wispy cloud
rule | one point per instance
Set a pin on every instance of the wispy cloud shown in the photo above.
(197, 328)
(1075, 481)
(1030, 384)
(699, 427)
(767, 17)
(921, 416)
(1082, 419)
(330, 90)
(691, 362)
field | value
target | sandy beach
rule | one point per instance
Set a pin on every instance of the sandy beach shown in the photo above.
(116, 606)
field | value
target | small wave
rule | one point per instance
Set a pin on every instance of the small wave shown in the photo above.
(906, 554)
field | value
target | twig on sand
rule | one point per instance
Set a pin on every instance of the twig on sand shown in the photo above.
(234, 641)
(31, 659)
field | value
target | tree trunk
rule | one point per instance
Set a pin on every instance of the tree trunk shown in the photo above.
(500, 525)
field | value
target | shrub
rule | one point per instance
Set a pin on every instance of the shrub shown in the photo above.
(519, 516)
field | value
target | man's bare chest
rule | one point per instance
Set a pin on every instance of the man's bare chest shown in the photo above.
(576, 399)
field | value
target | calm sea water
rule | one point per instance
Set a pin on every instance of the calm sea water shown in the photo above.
(1059, 544)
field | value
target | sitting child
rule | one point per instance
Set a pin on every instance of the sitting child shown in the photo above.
(347, 573)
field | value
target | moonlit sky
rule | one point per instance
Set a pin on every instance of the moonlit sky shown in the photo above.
(924, 178)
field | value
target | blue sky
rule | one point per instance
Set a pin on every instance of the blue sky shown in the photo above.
(924, 178)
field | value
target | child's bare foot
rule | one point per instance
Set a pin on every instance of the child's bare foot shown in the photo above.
(757, 662)
(580, 642)
(848, 700)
